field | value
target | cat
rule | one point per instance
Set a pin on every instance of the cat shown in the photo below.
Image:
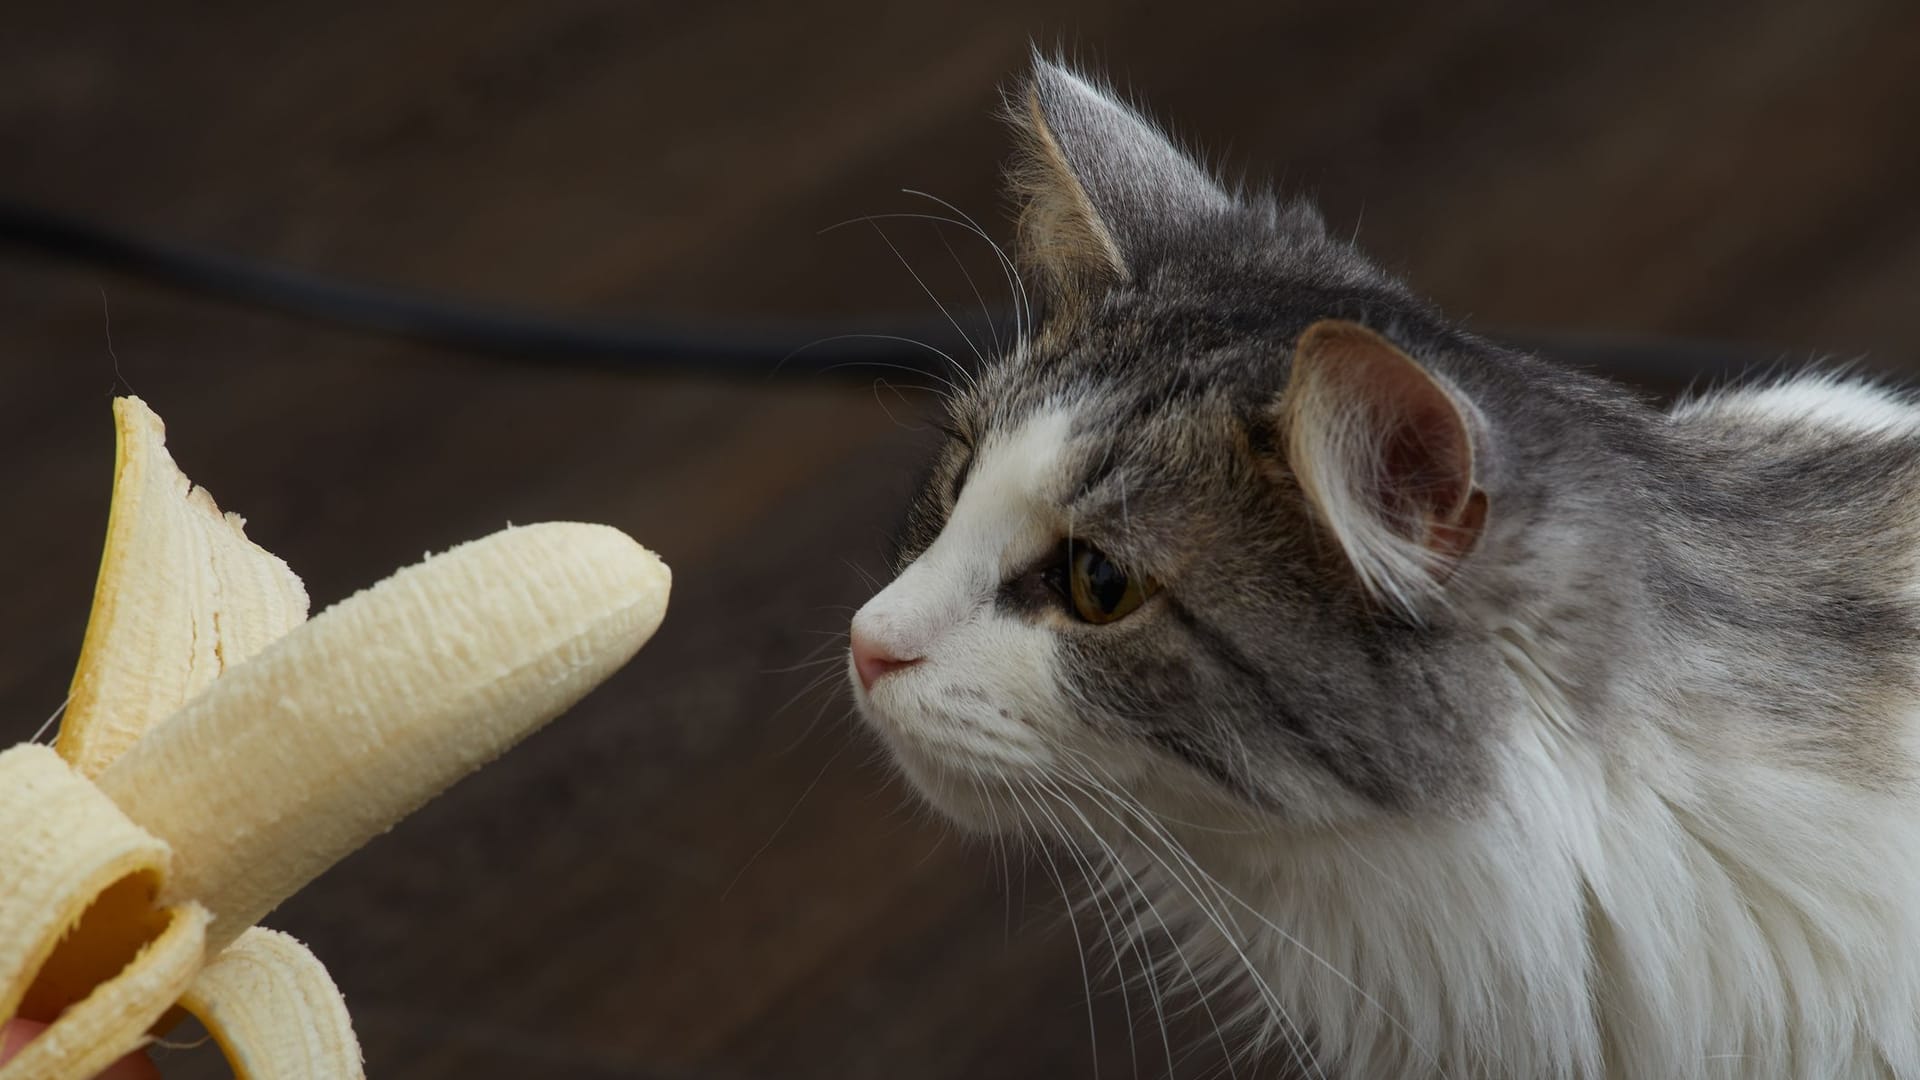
(1442, 712)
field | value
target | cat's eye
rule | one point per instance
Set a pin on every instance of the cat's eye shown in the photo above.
(1100, 590)
(959, 481)
(962, 449)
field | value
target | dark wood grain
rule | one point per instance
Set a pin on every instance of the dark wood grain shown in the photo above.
(705, 871)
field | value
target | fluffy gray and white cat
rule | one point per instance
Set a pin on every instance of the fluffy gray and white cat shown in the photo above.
(1458, 715)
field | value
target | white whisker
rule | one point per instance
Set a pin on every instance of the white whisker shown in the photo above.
(1208, 910)
(952, 389)
(993, 327)
(1193, 976)
(1023, 308)
(1093, 1035)
(1016, 288)
(778, 829)
(1095, 895)
(931, 295)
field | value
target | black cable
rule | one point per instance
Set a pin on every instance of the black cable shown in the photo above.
(756, 349)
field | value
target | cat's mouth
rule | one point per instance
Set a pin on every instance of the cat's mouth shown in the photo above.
(954, 758)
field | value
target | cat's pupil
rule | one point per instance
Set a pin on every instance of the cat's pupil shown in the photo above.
(1106, 581)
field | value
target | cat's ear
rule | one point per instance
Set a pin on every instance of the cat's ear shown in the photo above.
(1384, 452)
(1099, 186)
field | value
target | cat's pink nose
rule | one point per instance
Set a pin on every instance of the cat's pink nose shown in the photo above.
(872, 659)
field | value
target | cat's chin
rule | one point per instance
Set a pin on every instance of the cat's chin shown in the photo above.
(968, 800)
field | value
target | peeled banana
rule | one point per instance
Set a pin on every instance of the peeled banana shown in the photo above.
(218, 752)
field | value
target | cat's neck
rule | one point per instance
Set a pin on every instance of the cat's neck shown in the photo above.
(1590, 924)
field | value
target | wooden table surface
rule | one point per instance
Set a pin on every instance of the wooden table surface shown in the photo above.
(704, 870)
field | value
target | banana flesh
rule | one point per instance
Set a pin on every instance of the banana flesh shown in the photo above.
(219, 752)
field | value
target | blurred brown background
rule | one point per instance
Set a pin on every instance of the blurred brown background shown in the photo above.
(682, 878)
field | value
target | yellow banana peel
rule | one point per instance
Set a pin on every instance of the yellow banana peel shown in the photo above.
(219, 751)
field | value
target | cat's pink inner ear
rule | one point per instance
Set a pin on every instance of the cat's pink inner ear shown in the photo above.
(1369, 418)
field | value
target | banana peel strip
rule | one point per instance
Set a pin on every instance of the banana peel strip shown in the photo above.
(65, 843)
(69, 850)
(250, 997)
(114, 1020)
(182, 595)
(218, 753)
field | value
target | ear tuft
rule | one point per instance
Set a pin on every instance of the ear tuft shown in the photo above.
(1100, 188)
(1062, 237)
(1384, 452)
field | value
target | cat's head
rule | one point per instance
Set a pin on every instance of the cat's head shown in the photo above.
(1206, 534)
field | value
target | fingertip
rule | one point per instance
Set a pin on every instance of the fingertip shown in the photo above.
(15, 1035)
